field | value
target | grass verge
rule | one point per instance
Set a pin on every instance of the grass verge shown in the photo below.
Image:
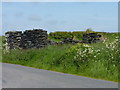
(80, 59)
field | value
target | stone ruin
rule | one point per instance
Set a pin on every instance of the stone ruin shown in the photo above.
(70, 40)
(64, 41)
(36, 38)
(91, 38)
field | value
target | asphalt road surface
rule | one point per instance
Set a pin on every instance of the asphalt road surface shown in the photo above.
(16, 76)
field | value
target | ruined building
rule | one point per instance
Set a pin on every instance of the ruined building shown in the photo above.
(36, 38)
(91, 38)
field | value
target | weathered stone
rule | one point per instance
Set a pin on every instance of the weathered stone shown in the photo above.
(91, 38)
(13, 39)
(36, 38)
(50, 42)
(70, 40)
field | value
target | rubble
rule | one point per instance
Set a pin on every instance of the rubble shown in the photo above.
(13, 39)
(91, 38)
(70, 40)
(50, 42)
(36, 38)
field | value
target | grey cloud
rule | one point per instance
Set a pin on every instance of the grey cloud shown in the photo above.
(4, 15)
(19, 14)
(63, 22)
(55, 22)
(52, 22)
(34, 18)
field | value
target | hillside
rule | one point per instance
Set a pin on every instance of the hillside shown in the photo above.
(96, 60)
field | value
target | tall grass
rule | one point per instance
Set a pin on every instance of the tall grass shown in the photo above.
(97, 60)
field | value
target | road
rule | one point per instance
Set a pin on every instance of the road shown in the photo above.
(16, 76)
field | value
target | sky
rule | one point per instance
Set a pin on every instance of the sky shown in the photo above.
(60, 16)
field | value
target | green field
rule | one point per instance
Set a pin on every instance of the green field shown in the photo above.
(97, 60)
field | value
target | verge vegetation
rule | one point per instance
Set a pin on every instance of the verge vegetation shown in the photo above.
(96, 60)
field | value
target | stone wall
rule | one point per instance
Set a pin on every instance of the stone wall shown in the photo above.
(91, 38)
(13, 39)
(36, 38)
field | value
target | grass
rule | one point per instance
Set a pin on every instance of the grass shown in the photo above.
(97, 60)
(1, 45)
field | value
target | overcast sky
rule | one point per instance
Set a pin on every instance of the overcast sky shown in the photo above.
(60, 16)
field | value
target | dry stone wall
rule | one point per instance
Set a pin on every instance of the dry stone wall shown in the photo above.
(13, 39)
(91, 38)
(36, 38)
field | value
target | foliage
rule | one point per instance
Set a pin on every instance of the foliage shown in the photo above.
(77, 35)
(89, 31)
(97, 60)
(60, 35)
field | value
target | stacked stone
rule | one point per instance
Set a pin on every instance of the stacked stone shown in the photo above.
(91, 38)
(50, 42)
(13, 39)
(70, 40)
(36, 38)
(65, 41)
